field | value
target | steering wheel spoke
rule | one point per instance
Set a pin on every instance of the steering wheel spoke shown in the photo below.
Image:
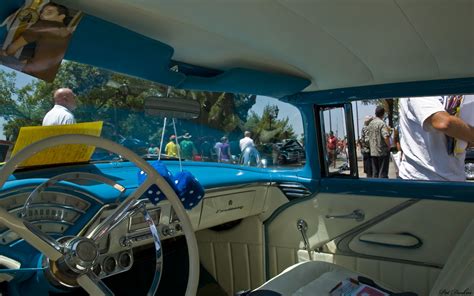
(93, 285)
(124, 210)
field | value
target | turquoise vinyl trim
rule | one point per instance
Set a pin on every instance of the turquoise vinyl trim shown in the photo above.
(405, 89)
(106, 45)
(240, 80)
(448, 191)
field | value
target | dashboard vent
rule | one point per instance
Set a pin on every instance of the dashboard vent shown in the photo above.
(294, 190)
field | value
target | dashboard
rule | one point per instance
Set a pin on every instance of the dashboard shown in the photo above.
(75, 207)
(64, 210)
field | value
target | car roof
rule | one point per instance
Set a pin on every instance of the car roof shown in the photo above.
(312, 45)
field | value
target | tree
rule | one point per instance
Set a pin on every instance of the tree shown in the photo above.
(267, 127)
(117, 100)
(18, 106)
(391, 108)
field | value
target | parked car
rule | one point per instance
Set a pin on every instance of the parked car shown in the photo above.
(291, 151)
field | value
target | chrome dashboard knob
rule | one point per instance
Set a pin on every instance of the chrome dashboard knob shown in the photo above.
(168, 231)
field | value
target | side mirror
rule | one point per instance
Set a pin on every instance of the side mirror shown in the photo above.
(172, 107)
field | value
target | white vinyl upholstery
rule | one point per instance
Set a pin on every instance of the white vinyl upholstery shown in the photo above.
(458, 273)
(318, 277)
(308, 278)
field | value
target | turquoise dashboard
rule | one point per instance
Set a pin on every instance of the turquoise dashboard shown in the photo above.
(68, 208)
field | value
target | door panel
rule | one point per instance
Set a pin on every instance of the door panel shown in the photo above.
(438, 225)
(431, 221)
(321, 229)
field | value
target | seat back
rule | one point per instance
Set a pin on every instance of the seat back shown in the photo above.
(458, 272)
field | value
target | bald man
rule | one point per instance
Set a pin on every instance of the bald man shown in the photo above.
(64, 104)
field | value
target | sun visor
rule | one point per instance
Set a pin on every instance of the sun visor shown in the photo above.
(248, 81)
(106, 45)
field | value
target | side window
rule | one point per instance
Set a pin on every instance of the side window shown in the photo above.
(377, 138)
(337, 138)
(397, 138)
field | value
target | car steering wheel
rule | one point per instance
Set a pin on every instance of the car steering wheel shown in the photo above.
(77, 256)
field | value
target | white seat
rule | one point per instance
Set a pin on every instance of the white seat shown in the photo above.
(315, 276)
(318, 278)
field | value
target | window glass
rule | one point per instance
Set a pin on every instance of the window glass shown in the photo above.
(420, 138)
(334, 132)
(274, 129)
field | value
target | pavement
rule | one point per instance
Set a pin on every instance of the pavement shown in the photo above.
(360, 165)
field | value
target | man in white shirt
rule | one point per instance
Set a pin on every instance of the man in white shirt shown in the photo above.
(64, 104)
(246, 141)
(247, 147)
(424, 125)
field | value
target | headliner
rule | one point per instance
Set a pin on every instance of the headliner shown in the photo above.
(334, 43)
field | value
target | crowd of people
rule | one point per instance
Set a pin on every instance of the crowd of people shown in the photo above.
(429, 143)
(209, 149)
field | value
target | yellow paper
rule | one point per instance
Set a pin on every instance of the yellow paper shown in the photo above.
(71, 153)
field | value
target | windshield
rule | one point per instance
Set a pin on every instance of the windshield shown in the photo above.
(239, 129)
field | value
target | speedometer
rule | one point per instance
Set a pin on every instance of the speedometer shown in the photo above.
(53, 212)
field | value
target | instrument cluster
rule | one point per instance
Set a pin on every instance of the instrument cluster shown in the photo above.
(53, 212)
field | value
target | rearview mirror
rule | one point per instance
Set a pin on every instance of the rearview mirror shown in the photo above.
(172, 107)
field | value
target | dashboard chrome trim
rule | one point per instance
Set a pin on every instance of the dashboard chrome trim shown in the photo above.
(239, 186)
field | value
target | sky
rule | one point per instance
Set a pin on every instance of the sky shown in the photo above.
(285, 110)
(21, 80)
(294, 116)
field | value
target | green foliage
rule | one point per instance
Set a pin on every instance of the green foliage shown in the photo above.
(117, 100)
(267, 128)
(391, 108)
(19, 106)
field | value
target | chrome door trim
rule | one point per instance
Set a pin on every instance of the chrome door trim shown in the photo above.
(342, 241)
(382, 258)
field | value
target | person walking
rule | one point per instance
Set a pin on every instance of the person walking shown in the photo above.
(365, 147)
(246, 147)
(188, 150)
(171, 149)
(61, 113)
(332, 148)
(223, 153)
(153, 150)
(379, 144)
